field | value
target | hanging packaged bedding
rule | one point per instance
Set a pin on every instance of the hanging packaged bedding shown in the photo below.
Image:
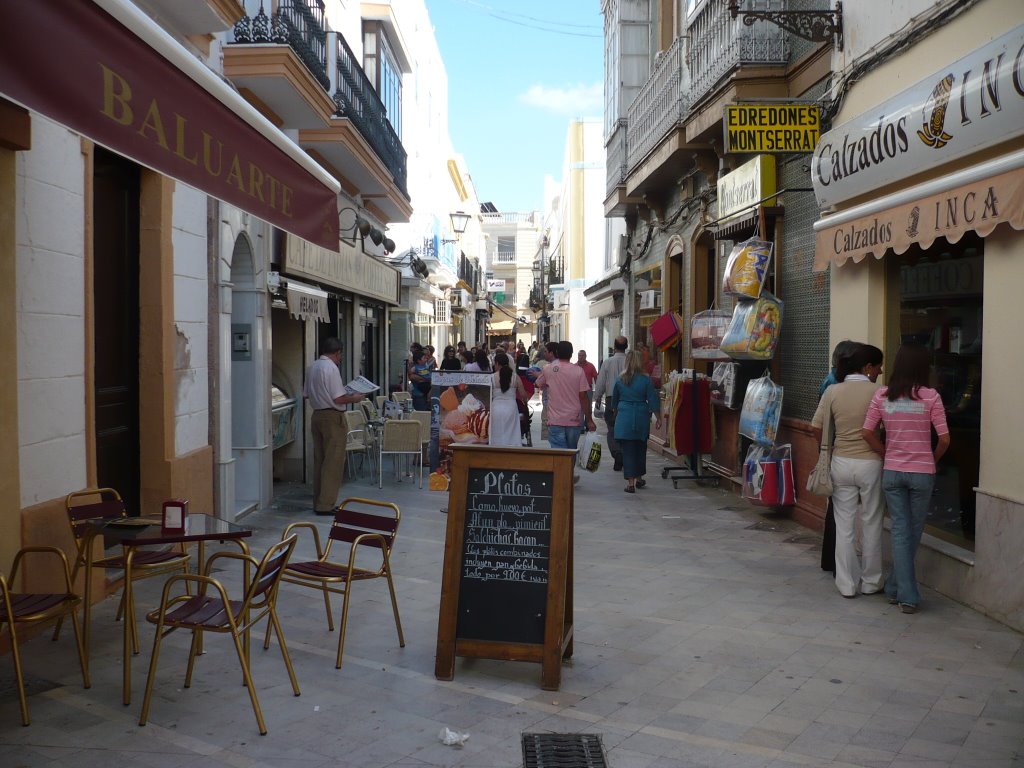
(762, 409)
(747, 268)
(754, 331)
(768, 476)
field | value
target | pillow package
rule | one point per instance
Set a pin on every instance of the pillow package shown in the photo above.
(747, 268)
(754, 330)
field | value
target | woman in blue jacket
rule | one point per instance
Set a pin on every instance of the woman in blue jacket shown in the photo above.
(634, 399)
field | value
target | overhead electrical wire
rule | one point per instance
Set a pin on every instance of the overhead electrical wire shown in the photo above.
(514, 18)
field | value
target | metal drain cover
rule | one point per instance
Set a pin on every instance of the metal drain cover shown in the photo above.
(563, 750)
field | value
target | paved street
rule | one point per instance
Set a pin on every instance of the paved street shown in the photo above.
(706, 635)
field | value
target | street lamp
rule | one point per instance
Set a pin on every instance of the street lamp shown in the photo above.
(460, 221)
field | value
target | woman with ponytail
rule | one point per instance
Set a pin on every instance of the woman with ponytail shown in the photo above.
(505, 388)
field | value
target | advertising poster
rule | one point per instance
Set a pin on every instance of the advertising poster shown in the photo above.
(461, 407)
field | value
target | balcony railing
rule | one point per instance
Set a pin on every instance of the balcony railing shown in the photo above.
(662, 103)
(615, 153)
(299, 24)
(357, 100)
(505, 257)
(719, 44)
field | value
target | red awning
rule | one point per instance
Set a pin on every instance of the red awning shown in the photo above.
(77, 64)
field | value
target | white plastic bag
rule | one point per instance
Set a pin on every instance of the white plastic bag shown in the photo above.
(451, 738)
(588, 455)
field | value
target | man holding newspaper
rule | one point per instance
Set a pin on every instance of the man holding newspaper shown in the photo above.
(328, 398)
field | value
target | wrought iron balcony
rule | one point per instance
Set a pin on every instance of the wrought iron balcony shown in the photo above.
(299, 24)
(357, 100)
(719, 44)
(661, 104)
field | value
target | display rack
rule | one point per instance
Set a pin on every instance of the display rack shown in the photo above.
(694, 469)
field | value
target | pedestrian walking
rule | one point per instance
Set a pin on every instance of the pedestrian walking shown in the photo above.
(566, 387)
(634, 400)
(327, 395)
(856, 472)
(506, 390)
(610, 371)
(908, 410)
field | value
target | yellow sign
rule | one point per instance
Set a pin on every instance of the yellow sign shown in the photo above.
(771, 127)
(746, 187)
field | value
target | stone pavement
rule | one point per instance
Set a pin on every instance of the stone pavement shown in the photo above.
(705, 635)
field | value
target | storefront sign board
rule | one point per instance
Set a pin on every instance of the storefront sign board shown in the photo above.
(743, 189)
(967, 105)
(771, 128)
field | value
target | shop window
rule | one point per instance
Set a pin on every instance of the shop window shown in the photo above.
(940, 306)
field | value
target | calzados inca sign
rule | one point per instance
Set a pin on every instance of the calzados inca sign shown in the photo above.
(967, 105)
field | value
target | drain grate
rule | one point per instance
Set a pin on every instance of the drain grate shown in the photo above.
(563, 750)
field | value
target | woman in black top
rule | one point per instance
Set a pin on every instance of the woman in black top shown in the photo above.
(450, 362)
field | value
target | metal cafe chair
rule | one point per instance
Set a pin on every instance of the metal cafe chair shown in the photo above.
(36, 608)
(87, 511)
(399, 438)
(362, 524)
(358, 439)
(423, 417)
(204, 612)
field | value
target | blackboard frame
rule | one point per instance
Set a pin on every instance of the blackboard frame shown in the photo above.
(558, 626)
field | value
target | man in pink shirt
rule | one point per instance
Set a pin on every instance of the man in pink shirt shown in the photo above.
(568, 398)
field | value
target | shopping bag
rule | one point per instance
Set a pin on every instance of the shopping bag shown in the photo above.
(762, 409)
(588, 456)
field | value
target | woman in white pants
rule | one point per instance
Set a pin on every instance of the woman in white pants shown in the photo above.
(856, 472)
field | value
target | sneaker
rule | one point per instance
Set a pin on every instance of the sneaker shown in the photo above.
(908, 608)
(893, 600)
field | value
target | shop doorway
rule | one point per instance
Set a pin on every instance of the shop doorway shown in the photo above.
(369, 326)
(940, 306)
(116, 323)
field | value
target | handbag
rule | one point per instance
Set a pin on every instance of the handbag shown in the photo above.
(819, 480)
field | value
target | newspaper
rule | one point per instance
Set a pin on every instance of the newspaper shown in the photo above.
(361, 385)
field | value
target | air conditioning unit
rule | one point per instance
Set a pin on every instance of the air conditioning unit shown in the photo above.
(650, 299)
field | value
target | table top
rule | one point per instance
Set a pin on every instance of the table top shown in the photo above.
(148, 530)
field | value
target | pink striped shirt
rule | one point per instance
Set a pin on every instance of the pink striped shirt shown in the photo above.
(908, 428)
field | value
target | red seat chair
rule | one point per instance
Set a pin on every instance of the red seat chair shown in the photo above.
(36, 608)
(361, 524)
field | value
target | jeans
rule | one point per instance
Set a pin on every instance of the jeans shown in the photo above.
(908, 496)
(564, 437)
(420, 400)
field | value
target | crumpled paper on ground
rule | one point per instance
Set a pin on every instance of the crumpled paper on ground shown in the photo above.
(452, 738)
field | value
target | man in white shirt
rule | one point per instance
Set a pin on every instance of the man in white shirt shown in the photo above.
(610, 371)
(326, 394)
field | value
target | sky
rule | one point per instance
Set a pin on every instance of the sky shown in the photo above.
(518, 72)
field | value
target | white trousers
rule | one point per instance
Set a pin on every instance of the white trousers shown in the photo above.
(857, 496)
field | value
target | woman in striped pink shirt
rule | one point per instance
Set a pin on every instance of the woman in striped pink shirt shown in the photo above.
(908, 410)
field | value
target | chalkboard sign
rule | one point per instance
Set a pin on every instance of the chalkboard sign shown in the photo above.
(506, 591)
(507, 535)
